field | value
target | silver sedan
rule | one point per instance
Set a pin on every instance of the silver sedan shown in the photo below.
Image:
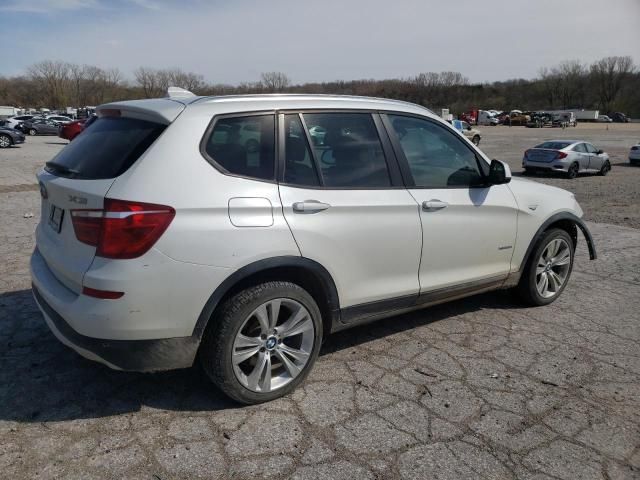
(570, 157)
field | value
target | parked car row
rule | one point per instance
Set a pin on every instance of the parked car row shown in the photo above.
(13, 130)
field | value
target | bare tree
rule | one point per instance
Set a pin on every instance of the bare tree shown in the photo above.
(148, 79)
(53, 79)
(274, 81)
(608, 75)
(155, 83)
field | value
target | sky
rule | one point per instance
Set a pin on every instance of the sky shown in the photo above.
(319, 40)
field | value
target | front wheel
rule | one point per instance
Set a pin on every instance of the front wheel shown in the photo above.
(5, 141)
(263, 342)
(548, 269)
(32, 131)
(476, 140)
(606, 168)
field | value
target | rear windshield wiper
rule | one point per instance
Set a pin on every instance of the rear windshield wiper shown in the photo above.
(63, 169)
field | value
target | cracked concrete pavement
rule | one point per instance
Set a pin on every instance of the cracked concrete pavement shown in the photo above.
(476, 389)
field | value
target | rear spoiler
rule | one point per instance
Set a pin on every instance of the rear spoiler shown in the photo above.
(161, 110)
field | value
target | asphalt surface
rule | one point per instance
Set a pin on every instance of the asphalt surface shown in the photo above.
(476, 389)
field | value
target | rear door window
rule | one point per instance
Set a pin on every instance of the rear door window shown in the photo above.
(348, 150)
(580, 148)
(300, 168)
(106, 149)
(590, 148)
(243, 146)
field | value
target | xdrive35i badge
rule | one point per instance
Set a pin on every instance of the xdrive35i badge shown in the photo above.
(75, 199)
(43, 190)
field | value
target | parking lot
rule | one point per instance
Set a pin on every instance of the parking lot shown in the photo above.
(478, 388)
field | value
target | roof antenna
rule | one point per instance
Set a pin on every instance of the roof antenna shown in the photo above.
(177, 92)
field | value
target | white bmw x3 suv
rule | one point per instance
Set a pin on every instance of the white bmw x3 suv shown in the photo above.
(243, 230)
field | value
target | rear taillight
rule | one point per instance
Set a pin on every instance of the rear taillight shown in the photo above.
(526, 154)
(560, 155)
(122, 229)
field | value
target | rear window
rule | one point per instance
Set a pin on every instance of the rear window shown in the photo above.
(106, 149)
(554, 145)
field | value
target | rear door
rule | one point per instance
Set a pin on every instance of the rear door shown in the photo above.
(343, 198)
(582, 156)
(79, 177)
(595, 160)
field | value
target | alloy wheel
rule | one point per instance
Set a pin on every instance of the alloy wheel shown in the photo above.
(573, 170)
(5, 141)
(273, 345)
(553, 268)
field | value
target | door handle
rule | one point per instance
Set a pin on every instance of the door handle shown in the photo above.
(433, 205)
(310, 206)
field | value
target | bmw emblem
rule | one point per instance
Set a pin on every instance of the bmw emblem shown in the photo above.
(271, 343)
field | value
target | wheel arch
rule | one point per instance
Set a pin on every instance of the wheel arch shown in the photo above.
(310, 275)
(566, 221)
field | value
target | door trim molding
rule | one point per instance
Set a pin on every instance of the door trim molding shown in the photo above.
(371, 311)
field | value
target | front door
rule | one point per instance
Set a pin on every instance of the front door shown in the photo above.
(469, 229)
(347, 209)
(595, 159)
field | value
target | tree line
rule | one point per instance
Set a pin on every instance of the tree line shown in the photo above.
(609, 84)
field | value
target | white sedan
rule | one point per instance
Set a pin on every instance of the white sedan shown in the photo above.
(634, 154)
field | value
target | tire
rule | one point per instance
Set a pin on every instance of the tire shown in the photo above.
(235, 329)
(527, 172)
(5, 141)
(573, 171)
(476, 140)
(32, 132)
(528, 288)
(606, 168)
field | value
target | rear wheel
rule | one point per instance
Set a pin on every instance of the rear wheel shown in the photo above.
(5, 141)
(573, 171)
(263, 342)
(32, 131)
(476, 140)
(548, 268)
(606, 168)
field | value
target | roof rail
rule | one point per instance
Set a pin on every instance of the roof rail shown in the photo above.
(177, 92)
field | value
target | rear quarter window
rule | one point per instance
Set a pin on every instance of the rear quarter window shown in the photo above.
(106, 149)
(243, 146)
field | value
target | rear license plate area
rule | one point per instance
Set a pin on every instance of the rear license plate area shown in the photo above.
(56, 215)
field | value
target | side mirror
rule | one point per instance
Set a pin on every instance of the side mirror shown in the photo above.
(499, 173)
(600, 151)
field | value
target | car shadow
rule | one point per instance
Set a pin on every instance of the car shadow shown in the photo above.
(42, 380)
(56, 143)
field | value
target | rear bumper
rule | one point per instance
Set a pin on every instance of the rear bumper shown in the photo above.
(130, 355)
(545, 167)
